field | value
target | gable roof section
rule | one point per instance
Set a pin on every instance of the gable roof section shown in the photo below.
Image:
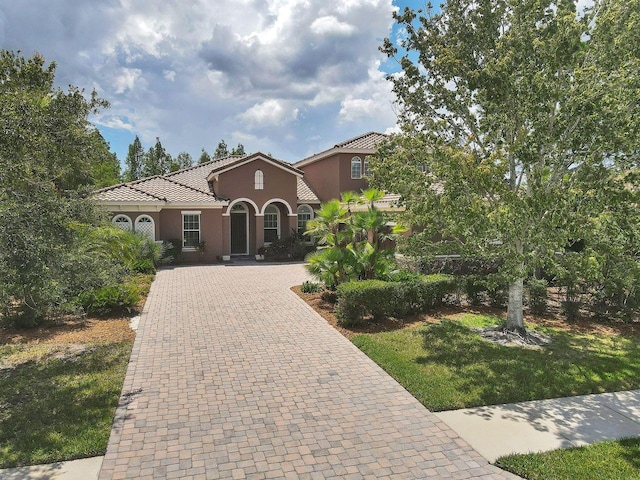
(126, 193)
(365, 144)
(196, 176)
(238, 162)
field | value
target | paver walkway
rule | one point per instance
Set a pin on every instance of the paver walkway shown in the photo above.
(233, 376)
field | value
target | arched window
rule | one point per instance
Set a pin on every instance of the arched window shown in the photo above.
(356, 168)
(259, 180)
(145, 226)
(123, 222)
(366, 169)
(304, 215)
(271, 224)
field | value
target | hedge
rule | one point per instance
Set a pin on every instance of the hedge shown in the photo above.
(376, 298)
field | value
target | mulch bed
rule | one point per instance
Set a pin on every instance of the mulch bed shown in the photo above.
(72, 331)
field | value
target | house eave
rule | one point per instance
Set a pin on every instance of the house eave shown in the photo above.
(334, 151)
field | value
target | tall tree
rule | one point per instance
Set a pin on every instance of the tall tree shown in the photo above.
(221, 150)
(50, 156)
(156, 161)
(525, 114)
(239, 150)
(134, 161)
(183, 160)
(204, 157)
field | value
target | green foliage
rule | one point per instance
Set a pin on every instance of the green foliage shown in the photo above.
(134, 161)
(50, 157)
(311, 287)
(156, 161)
(292, 247)
(221, 150)
(107, 299)
(171, 251)
(538, 295)
(204, 157)
(356, 300)
(474, 286)
(351, 242)
(377, 298)
(524, 114)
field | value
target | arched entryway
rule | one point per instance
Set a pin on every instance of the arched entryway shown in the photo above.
(239, 229)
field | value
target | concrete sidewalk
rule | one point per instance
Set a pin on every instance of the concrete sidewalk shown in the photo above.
(499, 430)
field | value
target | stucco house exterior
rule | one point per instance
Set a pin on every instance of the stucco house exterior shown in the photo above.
(237, 204)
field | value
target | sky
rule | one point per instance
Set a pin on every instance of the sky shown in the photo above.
(285, 77)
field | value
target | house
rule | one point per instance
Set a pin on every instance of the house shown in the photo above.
(237, 204)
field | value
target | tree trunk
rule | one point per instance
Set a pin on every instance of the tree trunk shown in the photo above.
(515, 321)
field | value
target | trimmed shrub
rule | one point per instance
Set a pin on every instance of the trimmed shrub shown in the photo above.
(538, 295)
(356, 300)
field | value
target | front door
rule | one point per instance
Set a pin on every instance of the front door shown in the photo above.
(239, 233)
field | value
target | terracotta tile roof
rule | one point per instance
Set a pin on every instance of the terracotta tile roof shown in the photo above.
(306, 193)
(125, 193)
(154, 189)
(196, 176)
(368, 141)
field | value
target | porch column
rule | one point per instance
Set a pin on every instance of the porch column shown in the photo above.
(259, 231)
(293, 224)
(226, 236)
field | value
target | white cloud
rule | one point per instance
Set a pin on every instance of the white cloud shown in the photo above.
(268, 113)
(330, 25)
(169, 75)
(127, 80)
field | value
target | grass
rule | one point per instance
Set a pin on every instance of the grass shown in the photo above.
(58, 406)
(447, 366)
(619, 460)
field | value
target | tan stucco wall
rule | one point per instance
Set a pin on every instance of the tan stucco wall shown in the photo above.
(239, 183)
(211, 231)
(331, 176)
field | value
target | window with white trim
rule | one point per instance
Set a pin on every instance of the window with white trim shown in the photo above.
(366, 168)
(304, 215)
(123, 222)
(145, 226)
(271, 224)
(190, 230)
(259, 180)
(356, 168)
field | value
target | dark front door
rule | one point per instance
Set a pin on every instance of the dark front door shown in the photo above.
(239, 233)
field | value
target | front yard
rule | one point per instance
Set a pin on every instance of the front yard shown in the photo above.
(59, 387)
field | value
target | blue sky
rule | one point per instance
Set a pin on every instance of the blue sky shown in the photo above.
(288, 77)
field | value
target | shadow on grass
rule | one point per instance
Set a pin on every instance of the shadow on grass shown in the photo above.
(487, 374)
(60, 409)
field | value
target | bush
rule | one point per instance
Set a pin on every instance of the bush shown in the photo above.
(538, 295)
(358, 299)
(474, 286)
(311, 287)
(107, 299)
(171, 251)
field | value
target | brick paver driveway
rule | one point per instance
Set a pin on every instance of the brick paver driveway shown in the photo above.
(233, 376)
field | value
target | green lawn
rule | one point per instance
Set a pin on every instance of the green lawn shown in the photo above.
(447, 366)
(58, 408)
(603, 461)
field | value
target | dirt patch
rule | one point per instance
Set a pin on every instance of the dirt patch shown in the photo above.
(584, 325)
(72, 331)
